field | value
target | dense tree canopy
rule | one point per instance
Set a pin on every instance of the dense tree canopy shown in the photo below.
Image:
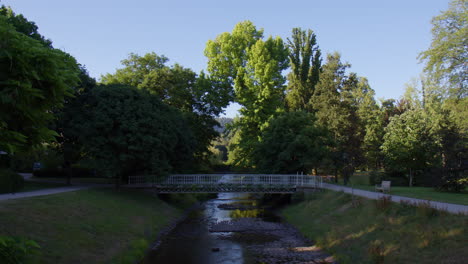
(34, 79)
(126, 130)
(197, 96)
(409, 144)
(296, 114)
(305, 59)
(446, 57)
(292, 143)
(22, 25)
(252, 67)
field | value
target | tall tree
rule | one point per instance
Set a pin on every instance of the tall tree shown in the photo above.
(197, 97)
(446, 58)
(336, 109)
(125, 130)
(68, 143)
(305, 59)
(292, 143)
(34, 80)
(409, 144)
(22, 25)
(252, 67)
(371, 127)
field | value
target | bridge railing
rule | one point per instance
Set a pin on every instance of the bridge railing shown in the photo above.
(226, 179)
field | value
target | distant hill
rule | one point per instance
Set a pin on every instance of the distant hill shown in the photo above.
(223, 121)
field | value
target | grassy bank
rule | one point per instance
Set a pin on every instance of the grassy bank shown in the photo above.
(88, 226)
(367, 231)
(426, 193)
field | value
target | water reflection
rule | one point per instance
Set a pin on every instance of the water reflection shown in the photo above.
(191, 241)
(246, 213)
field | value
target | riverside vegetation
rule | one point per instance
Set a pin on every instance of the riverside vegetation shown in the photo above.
(358, 230)
(89, 226)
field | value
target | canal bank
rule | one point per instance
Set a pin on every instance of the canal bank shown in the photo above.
(358, 230)
(90, 226)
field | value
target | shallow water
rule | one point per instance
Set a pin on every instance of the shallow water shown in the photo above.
(214, 235)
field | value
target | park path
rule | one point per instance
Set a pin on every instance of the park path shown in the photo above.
(452, 208)
(9, 196)
(48, 191)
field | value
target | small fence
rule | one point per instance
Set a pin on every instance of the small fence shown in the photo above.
(227, 182)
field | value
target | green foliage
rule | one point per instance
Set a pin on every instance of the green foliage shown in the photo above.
(409, 145)
(337, 99)
(305, 59)
(59, 172)
(14, 250)
(292, 143)
(22, 25)
(34, 79)
(446, 58)
(68, 145)
(10, 182)
(197, 96)
(126, 130)
(252, 67)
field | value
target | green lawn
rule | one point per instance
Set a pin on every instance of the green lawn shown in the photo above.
(426, 193)
(88, 226)
(368, 231)
(360, 180)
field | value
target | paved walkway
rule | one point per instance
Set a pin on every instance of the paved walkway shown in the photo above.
(452, 208)
(42, 192)
(9, 196)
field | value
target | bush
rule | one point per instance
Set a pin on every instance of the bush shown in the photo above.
(61, 173)
(18, 250)
(455, 180)
(10, 181)
(375, 177)
(397, 178)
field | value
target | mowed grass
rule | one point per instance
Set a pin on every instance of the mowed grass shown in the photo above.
(367, 231)
(360, 180)
(88, 226)
(426, 193)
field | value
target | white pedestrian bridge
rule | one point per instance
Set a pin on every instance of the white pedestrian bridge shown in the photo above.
(216, 183)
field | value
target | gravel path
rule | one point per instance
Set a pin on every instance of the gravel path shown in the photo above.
(452, 208)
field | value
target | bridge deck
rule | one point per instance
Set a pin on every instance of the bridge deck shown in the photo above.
(215, 183)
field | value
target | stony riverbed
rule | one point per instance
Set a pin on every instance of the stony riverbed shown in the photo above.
(235, 229)
(286, 244)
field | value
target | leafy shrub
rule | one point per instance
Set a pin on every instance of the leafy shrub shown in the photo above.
(452, 180)
(10, 181)
(397, 178)
(375, 177)
(14, 250)
(60, 173)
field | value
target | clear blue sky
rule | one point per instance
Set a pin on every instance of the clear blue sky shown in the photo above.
(381, 39)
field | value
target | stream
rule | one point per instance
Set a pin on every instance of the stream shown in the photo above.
(233, 228)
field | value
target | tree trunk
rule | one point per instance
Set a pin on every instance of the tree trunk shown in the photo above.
(117, 182)
(410, 178)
